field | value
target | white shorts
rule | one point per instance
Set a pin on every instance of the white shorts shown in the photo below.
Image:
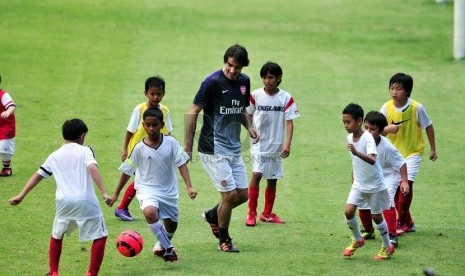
(392, 184)
(166, 210)
(376, 202)
(226, 172)
(7, 146)
(413, 166)
(271, 167)
(89, 229)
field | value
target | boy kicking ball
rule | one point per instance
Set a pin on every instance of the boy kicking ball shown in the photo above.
(74, 168)
(154, 161)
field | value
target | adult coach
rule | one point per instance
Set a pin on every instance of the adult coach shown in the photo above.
(223, 97)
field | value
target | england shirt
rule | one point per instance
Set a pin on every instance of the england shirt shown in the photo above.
(270, 113)
(367, 178)
(75, 194)
(155, 168)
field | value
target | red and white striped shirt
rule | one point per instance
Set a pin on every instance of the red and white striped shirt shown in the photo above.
(8, 125)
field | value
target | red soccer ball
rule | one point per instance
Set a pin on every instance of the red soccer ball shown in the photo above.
(129, 243)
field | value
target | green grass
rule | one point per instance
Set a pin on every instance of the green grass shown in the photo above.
(89, 59)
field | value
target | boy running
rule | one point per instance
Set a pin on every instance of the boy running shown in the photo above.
(154, 161)
(367, 183)
(154, 91)
(394, 172)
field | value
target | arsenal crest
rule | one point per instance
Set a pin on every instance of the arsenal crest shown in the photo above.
(243, 90)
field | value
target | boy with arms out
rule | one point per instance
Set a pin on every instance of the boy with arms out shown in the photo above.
(154, 161)
(223, 96)
(272, 111)
(74, 168)
(7, 131)
(367, 183)
(154, 91)
(406, 120)
(394, 172)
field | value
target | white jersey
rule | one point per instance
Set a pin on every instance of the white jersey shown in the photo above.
(390, 161)
(269, 118)
(75, 194)
(155, 168)
(367, 178)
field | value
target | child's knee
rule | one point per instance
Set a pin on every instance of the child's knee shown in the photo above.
(377, 218)
(349, 211)
(151, 214)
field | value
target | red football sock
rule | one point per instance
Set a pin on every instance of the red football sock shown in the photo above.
(54, 254)
(253, 199)
(96, 255)
(270, 195)
(391, 220)
(404, 206)
(365, 218)
(128, 196)
(408, 218)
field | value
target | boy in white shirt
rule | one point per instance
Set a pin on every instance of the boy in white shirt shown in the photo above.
(74, 168)
(154, 161)
(272, 110)
(394, 171)
(155, 92)
(367, 183)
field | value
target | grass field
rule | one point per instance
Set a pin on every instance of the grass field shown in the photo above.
(89, 59)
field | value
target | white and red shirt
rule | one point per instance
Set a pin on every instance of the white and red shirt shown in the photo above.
(8, 125)
(270, 113)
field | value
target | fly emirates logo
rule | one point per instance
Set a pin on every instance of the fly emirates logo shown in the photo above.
(235, 109)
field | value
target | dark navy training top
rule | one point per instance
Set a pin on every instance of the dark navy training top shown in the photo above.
(223, 102)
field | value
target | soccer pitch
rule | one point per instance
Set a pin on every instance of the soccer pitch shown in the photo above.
(89, 59)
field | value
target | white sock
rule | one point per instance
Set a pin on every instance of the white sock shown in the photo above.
(160, 233)
(383, 231)
(158, 244)
(353, 226)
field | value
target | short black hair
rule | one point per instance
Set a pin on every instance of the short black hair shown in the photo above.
(155, 81)
(377, 119)
(239, 53)
(405, 80)
(354, 110)
(273, 68)
(73, 128)
(153, 112)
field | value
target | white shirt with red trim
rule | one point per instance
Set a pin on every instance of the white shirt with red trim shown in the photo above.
(270, 114)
